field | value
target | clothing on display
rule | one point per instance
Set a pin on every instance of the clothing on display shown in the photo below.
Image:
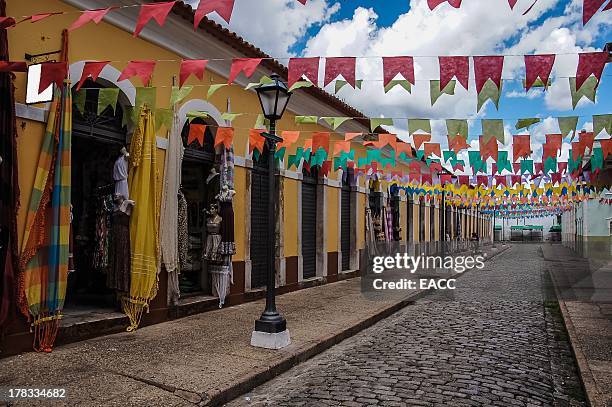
(120, 175)
(103, 232)
(118, 274)
(212, 250)
(183, 233)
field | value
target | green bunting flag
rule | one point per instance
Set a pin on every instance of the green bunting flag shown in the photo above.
(457, 126)
(420, 154)
(527, 166)
(526, 123)
(493, 128)
(263, 81)
(194, 114)
(379, 121)
(335, 122)
(128, 112)
(588, 90)
(261, 122)
(300, 84)
(107, 97)
(476, 161)
(573, 165)
(306, 119)
(373, 155)
(550, 165)
(435, 92)
(502, 162)
(79, 100)
(402, 82)
(419, 124)
(568, 125)
(538, 84)
(214, 88)
(340, 84)
(597, 159)
(318, 157)
(448, 155)
(178, 94)
(163, 117)
(280, 153)
(602, 122)
(144, 97)
(229, 117)
(489, 91)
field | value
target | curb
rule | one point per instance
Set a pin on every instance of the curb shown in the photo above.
(586, 376)
(247, 383)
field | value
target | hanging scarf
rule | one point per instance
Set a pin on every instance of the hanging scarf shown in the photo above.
(169, 212)
(9, 185)
(144, 223)
(44, 254)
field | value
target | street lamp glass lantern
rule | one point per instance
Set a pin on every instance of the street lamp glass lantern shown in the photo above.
(273, 97)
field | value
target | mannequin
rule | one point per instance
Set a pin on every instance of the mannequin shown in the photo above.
(120, 174)
(213, 238)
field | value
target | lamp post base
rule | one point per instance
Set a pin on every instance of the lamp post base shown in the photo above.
(277, 340)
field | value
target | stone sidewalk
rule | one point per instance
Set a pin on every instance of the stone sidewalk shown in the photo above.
(584, 291)
(204, 359)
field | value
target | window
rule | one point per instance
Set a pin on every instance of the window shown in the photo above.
(309, 223)
(345, 218)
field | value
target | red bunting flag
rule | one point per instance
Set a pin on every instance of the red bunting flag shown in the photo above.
(419, 139)
(156, 11)
(482, 180)
(494, 168)
(90, 15)
(432, 149)
(435, 3)
(457, 143)
(464, 180)
(446, 179)
(538, 66)
(223, 7)
(303, 1)
(196, 133)
(488, 149)
(13, 66)
(515, 179)
(577, 150)
(435, 167)
(52, 72)
(256, 140)
(501, 180)
(512, 3)
(246, 65)
(335, 67)
(225, 136)
(521, 146)
(562, 165)
(457, 166)
(608, 7)
(555, 140)
(320, 139)
(556, 177)
(308, 67)
(6, 22)
(606, 147)
(426, 179)
(38, 17)
(142, 69)
(326, 167)
(192, 66)
(549, 150)
(589, 9)
(516, 167)
(539, 168)
(488, 67)
(398, 65)
(590, 63)
(458, 67)
(93, 69)
(586, 140)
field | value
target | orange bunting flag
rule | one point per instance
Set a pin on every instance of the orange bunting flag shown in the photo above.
(246, 65)
(326, 167)
(225, 136)
(256, 140)
(90, 15)
(155, 11)
(289, 137)
(320, 139)
(432, 149)
(196, 133)
(521, 146)
(342, 146)
(606, 147)
(419, 139)
(142, 69)
(401, 147)
(586, 140)
(457, 143)
(192, 66)
(549, 150)
(488, 149)
(555, 140)
(308, 144)
(350, 136)
(93, 69)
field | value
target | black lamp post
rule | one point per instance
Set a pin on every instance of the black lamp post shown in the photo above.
(273, 97)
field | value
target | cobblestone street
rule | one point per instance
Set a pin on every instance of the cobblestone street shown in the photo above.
(498, 339)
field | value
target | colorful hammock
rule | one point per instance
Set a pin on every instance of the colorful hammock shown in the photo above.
(44, 254)
(144, 223)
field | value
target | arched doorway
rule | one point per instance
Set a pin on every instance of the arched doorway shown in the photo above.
(98, 137)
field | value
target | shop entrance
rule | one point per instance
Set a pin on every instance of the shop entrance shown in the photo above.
(200, 186)
(96, 145)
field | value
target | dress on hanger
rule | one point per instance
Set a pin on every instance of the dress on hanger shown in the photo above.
(120, 175)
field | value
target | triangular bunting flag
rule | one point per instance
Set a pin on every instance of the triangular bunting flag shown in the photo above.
(156, 11)
(299, 67)
(458, 67)
(435, 91)
(335, 67)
